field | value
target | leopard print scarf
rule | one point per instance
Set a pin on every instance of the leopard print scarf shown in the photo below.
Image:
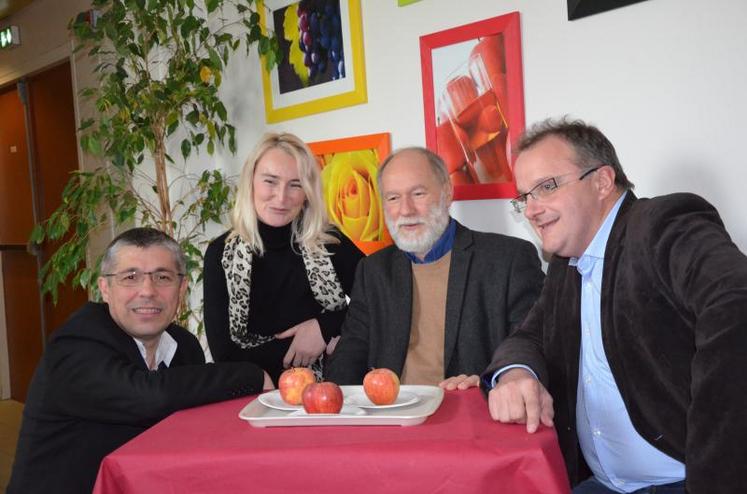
(237, 265)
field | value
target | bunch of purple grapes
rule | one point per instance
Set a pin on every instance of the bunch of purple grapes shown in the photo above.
(321, 38)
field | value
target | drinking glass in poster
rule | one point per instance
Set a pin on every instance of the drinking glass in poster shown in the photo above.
(474, 103)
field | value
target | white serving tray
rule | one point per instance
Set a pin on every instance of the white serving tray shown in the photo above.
(430, 397)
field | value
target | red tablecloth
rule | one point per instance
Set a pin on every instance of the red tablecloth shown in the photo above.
(458, 449)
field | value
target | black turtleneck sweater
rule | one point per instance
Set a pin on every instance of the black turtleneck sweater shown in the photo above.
(280, 296)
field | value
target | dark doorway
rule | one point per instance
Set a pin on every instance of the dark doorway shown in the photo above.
(45, 133)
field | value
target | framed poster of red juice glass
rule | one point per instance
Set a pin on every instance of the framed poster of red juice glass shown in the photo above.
(473, 100)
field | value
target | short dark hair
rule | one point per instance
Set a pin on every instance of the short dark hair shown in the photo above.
(591, 146)
(143, 237)
(438, 167)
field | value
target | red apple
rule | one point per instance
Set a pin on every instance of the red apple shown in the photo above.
(324, 397)
(381, 386)
(292, 382)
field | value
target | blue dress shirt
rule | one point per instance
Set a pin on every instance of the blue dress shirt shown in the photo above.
(618, 456)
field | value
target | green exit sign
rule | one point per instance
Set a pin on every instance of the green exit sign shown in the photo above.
(9, 37)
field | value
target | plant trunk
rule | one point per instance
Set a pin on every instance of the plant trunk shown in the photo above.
(162, 184)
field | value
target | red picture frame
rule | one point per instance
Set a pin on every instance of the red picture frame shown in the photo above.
(459, 108)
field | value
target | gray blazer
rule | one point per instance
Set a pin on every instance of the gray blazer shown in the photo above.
(493, 282)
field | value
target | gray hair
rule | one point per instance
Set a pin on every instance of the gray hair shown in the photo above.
(142, 237)
(438, 167)
(591, 146)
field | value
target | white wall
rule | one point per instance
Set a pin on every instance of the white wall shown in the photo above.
(664, 79)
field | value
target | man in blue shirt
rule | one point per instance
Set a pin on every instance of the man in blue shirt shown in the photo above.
(639, 334)
(433, 307)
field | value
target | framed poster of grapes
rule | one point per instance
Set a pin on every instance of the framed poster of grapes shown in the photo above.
(473, 99)
(322, 67)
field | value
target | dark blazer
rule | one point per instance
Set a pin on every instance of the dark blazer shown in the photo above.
(493, 281)
(674, 329)
(92, 392)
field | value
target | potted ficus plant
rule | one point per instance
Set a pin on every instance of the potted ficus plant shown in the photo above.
(159, 64)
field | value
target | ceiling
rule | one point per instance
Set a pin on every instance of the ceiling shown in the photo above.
(8, 7)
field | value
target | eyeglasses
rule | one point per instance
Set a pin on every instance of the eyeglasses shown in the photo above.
(547, 187)
(134, 277)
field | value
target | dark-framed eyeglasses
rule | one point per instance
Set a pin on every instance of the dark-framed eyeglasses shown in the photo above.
(547, 187)
(135, 277)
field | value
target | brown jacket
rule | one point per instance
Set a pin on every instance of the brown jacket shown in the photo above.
(674, 327)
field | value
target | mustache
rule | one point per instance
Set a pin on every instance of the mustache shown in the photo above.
(418, 220)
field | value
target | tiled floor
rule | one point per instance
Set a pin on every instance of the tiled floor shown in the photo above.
(10, 423)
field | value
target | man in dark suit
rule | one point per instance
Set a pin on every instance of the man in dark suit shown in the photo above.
(640, 333)
(435, 306)
(114, 369)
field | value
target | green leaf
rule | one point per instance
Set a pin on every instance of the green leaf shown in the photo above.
(193, 117)
(232, 139)
(85, 278)
(270, 60)
(37, 234)
(86, 124)
(263, 46)
(186, 148)
(212, 5)
(221, 109)
(94, 146)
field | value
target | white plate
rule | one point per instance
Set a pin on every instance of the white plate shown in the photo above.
(273, 399)
(348, 410)
(429, 399)
(359, 399)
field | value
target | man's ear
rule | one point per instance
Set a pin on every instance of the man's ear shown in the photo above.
(605, 181)
(104, 288)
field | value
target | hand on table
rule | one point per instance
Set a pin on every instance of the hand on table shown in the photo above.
(460, 382)
(306, 346)
(519, 398)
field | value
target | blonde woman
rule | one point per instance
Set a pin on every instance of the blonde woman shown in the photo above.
(275, 284)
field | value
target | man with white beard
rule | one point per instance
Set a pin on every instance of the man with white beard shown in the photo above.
(433, 307)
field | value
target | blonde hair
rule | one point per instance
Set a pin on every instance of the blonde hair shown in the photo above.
(311, 227)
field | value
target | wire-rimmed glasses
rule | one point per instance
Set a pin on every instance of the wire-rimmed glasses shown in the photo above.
(547, 187)
(135, 277)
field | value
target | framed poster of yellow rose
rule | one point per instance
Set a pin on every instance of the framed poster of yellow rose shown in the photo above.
(322, 66)
(473, 99)
(351, 191)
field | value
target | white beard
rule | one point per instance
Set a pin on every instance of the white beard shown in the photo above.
(435, 220)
